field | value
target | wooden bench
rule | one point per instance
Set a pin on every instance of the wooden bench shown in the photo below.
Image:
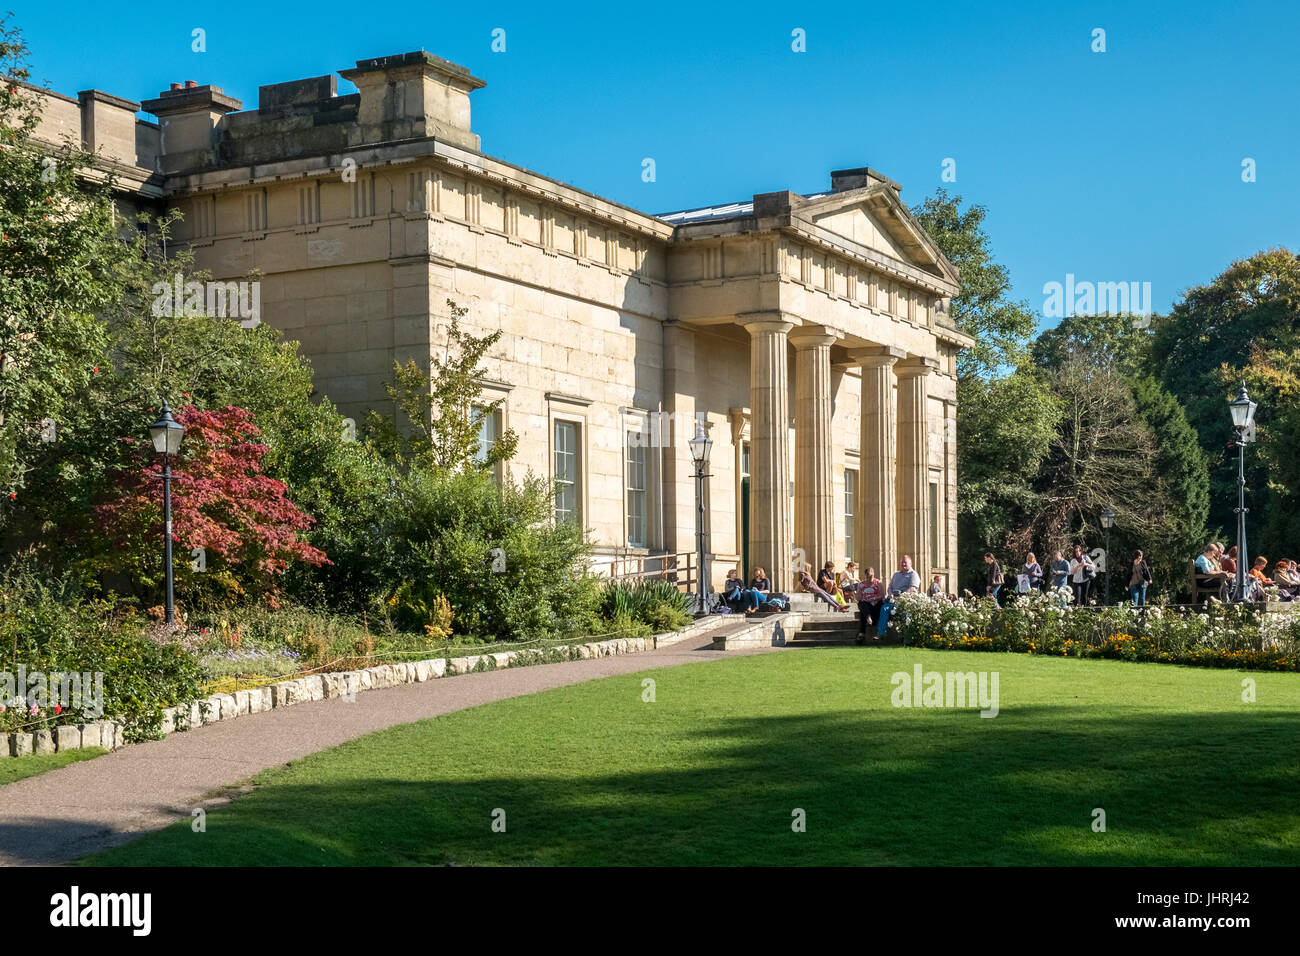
(1205, 586)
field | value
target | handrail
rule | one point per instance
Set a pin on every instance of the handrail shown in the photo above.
(672, 568)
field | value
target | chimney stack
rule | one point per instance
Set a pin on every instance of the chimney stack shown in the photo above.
(188, 116)
(412, 96)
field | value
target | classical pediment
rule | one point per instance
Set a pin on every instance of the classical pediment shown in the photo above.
(875, 217)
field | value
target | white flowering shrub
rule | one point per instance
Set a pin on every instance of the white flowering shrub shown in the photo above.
(1220, 635)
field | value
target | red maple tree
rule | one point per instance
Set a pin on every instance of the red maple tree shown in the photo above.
(221, 501)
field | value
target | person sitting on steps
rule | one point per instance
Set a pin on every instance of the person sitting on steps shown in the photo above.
(758, 591)
(809, 585)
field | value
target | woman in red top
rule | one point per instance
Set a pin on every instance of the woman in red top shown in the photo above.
(1229, 562)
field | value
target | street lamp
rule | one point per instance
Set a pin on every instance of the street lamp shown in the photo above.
(700, 447)
(1243, 417)
(1108, 522)
(167, 433)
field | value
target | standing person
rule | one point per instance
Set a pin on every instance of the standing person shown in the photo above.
(1082, 571)
(993, 579)
(936, 587)
(1138, 580)
(904, 581)
(1060, 569)
(1033, 571)
(870, 593)
(758, 591)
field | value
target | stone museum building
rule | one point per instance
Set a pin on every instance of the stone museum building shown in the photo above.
(809, 334)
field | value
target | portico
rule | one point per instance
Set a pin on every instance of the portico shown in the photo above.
(851, 372)
(809, 333)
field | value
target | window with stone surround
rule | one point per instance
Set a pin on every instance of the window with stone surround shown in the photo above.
(489, 430)
(568, 472)
(637, 489)
(850, 510)
(936, 558)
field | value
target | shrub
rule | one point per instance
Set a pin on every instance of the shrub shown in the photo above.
(1221, 635)
(493, 550)
(52, 629)
(657, 603)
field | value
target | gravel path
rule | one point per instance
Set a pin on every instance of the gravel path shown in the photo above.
(80, 809)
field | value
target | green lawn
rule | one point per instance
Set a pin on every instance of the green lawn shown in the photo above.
(1187, 773)
(15, 768)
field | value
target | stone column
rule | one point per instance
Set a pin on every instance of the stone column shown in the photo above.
(814, 495)
(913, 463)
(769, 445)
(876, 524)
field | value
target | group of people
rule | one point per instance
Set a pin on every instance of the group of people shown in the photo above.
(1217, 566)
(875, 599)
(1078, 571)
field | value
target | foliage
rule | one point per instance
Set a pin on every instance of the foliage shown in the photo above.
(59, 263)
(1221, 635)
(447, 530)
(51, 628)
(658, 604)
(1006, 414)
(221, 502)
(443, 406)
(1242, 326)
(982, 308)
(1006, 428)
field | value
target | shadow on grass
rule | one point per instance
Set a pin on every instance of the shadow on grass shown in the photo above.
(935, 787)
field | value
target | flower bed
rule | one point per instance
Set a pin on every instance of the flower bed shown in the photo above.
(1218, 635)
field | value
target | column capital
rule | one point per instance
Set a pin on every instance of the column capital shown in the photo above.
(814, 336)
(917, 365)
(878, 355)
(758, 322)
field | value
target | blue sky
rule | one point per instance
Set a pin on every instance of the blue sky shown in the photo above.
(1117, 166)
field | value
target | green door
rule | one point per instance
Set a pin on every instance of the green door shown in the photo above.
(744, 528)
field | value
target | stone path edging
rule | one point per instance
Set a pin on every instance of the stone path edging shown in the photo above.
(344, 684)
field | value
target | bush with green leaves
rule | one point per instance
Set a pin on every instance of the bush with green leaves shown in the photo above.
(53, 629)
(493, 549)
(656, 603)
(1218, 635)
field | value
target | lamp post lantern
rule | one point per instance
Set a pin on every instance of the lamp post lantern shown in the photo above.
(1108, 522)
(166, 434)
(701, 445)
(1243, 417)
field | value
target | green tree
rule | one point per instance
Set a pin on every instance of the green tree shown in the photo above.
(1242, 326)
(1006, 415)
(443, 405)
(983, 308)
(59, 263)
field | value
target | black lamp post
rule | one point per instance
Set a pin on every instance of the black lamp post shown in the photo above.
(1108, 522)
(700, 447)
(1243, 417)
(167, 434)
